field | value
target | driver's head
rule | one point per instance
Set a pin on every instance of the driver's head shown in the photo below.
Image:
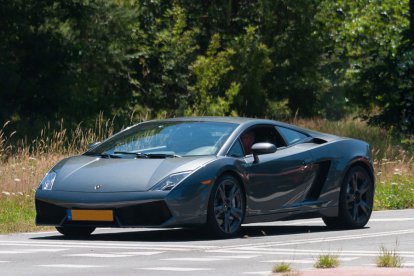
(248, 139)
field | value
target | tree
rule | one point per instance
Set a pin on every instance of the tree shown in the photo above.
(64, 59)
(211, 94)
(380, 76)
(167, 47)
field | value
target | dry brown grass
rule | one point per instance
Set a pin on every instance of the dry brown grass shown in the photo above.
(23, 173)
(23, 163)
(390, 159)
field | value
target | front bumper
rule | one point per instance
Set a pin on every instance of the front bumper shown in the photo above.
(130, 209)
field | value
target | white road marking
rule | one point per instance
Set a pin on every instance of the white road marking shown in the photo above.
(28, 251)
(136, 253)
(278, 250)
(71, 266)
(98, 255)
(304, 261)
(7, 252)
(320, 221)
(45, 250)
(295, 250)
(297, 253)
(325, 239)
(126, 245)
(201, 259)
(390, 219)
(394, 211)
(141, 246)
(135, 244)
(181, 269)
(258, 272)
(115, 254)
(39, 233)
(4, 262)
(236, 257)
(210, 258)
(149, 247)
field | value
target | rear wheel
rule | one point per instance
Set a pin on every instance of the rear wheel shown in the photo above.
(226, 208)
(355, 200)
(75, 231)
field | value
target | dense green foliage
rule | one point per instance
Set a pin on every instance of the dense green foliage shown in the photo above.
(270, 58)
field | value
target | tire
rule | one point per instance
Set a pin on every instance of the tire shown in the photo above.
(75, 231)
(226, 208)
(355, 201)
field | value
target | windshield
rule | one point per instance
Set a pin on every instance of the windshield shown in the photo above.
(167, 139)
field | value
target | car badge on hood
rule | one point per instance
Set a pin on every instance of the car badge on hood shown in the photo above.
(97, 187)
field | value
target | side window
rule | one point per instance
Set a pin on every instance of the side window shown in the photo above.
(236, 150)
(261, 134)
(291, 136)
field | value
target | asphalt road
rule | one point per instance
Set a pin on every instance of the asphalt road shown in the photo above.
(185, 252)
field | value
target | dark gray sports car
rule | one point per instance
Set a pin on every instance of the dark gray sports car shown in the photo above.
(214, 171)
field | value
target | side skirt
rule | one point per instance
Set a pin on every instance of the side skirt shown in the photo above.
(292, 215)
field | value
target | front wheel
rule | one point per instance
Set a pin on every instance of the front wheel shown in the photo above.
(355, 201)
(75, 231)
(226, 208)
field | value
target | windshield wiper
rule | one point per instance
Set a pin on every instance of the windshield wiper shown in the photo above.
(163, 155)
(103, 155)
(137, 154)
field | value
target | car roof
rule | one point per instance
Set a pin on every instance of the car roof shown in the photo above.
(234, 120)
(245, 122)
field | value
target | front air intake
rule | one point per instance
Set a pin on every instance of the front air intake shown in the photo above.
(145, 214)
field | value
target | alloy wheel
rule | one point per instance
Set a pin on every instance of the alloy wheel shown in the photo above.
(359, 194)
(228, 206)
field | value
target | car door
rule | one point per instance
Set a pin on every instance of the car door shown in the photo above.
(277, 180)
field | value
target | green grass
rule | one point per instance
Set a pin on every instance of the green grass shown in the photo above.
(17, 213)
(327, 261)
(395, 194)
(388, 258)
(281, 268)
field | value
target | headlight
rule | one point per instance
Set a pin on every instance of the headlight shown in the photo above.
(47, 181)
(170, 181)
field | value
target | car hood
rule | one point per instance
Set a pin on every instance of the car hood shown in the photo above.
(83, 173)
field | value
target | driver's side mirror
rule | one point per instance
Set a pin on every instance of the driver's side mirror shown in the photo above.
(92, 145)
(262, 148)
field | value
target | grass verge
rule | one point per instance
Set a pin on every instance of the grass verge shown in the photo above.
(398, 193)
(388, 258)
(327, 261)
(17, 213)
(281, 268)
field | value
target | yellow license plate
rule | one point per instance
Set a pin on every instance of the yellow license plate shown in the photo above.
(92, 215)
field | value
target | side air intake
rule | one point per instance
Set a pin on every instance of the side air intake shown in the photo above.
(322, 173)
